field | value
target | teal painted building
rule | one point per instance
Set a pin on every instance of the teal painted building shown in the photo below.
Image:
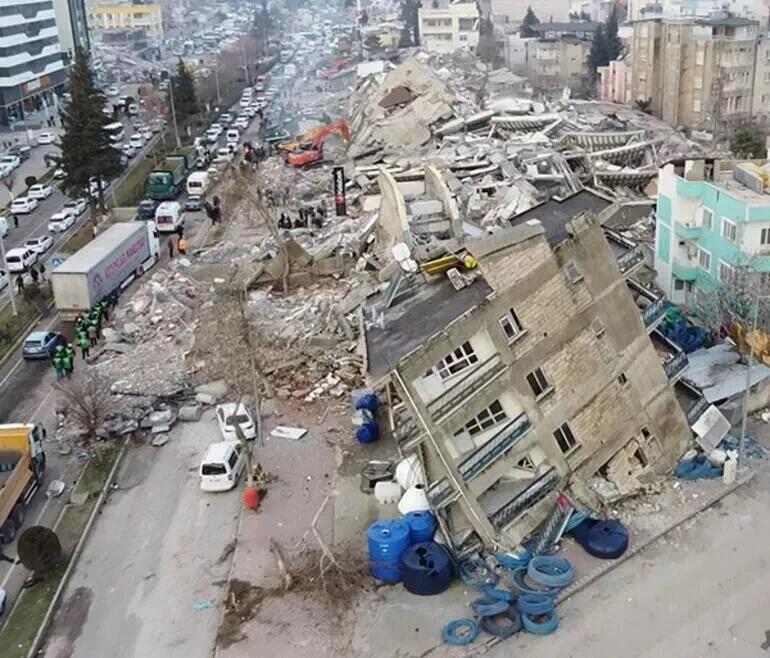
(707, 224)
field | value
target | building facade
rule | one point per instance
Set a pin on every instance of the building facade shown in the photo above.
(712, 217)
(614, 84)
(558, 56)
(696, 73)
(31, 62)
(754, 9)
(450, 27)
(513, 11)
(120, 16)
(532, 374)
(72, 24)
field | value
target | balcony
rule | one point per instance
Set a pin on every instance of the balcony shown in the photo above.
(466, 387)
(654, 312)
(687, 231)
(442, 493)
(523, 500)
(630, 260)
(674, 366)
(684, 270)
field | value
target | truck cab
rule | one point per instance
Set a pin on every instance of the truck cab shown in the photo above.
(22, 465)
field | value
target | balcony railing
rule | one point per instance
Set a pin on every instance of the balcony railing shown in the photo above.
(696, 411)
(523, 500)
(654, 311)
(631, 259)
(674, 366)
(479, 377)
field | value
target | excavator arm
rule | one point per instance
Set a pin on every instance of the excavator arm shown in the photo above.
(303, 157)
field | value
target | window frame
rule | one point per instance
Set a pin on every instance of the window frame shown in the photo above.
(447, 369)
(485, 419)
(720, 277)
(512, 319)
(701, 252)
(540, 378)
(764, 237)
(731, 227)
(575, 443)
(707, 212)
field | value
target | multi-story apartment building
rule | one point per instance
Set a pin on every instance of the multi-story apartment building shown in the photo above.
(755, 9)
(528, 374)
(697, 73)
(513, 11)
(72, 24)
(31, 62)
(712, 217)
(614, 86)
(557, 57)
(116, 16)
(449, 26)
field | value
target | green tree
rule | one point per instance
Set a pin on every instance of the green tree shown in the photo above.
(39, 550)
(614, 46)
(410, 15)
(183, 88)
(86, 148)
(749, 143)
(528, 22)
(598, 55)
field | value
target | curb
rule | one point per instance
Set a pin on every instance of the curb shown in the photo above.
(45, 624)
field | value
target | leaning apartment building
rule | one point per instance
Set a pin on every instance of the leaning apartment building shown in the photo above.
(521, 373)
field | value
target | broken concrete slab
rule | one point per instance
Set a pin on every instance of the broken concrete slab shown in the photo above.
(216, 389)
(190, 413)
(160, 429)
(205, 398)
(162, 417)
(160, 440)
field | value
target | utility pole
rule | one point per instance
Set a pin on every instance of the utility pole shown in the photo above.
(173, 113)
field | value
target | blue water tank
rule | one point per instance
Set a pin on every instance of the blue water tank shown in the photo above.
(422, 526)
(426, 569)
(369, 402)
(368, 432)
(388, 539)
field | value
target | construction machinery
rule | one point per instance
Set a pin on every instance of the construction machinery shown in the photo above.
(311, 153)
(302, 140)
(22, 464)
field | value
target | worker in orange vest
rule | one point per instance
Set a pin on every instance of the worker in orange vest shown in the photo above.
(182, 247)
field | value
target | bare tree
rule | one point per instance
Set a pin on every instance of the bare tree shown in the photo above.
(88, 403)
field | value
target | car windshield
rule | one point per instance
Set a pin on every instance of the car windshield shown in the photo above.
(159, 178)
(13, 259)
(213, 469)
(240, 419)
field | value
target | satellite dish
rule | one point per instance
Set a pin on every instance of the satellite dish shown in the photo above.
(403, 257)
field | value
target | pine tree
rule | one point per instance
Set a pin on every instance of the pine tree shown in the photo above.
(598, 55)
(749, 143)
(183, 87)
(614, 47)
(85, 145)
(528, 22)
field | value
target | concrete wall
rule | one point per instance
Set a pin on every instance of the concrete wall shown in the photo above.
(392, 226)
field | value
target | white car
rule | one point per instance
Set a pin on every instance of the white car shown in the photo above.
(59, 173)
(224, 155)
(10, 161)
(229, 414)
(75, 207)
(251, 111)
(46, 138)
(113, 91)
(40, 191)
(136, 141)
(147, 134)
(242, 123)
(20, 259)
(60, 222)
(221, 466)
(23, 205)
(39, 245)
(3, 279)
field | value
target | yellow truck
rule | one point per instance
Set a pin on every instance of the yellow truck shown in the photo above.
(22, 464)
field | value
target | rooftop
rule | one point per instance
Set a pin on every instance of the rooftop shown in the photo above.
(407, 324)
(554, 215)
(573, 26)
(728, 21)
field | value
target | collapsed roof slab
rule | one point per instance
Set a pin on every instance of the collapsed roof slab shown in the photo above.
(601, 140)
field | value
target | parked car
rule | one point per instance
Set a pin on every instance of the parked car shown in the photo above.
(136, 140)
(112, 90)
(20, 259)
(230, 414)
(128, 150)
(224, 155)
(41, 344)
(22, 152)
(40, 191)
(242, 123)
(60, 221)
(221, 466)
(75, 207)
(46, 138)
(10, 161)
(40, 244)
(59, 173)
(23, 205)
(193, 203)
(147, 134)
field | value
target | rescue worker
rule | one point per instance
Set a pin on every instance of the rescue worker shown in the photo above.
(104, 309)
(182, 247)
(69, 360)
(171, 247)
(58, 362)
(83, 344)
(92, 333)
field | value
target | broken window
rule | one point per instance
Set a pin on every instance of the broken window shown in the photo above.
(538, 382)
(565, 438)
(572, 273)
(641, 458)
(456, 361)
(489, 417)
(526, 464)
(510, 325)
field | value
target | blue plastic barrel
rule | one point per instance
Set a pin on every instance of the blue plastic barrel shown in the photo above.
(369, 402)
(388, 540)
(422, 526)
(426, 569)
(368, 432)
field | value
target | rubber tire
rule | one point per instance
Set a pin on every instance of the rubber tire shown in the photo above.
(607, 540)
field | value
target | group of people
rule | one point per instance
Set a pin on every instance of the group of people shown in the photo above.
(307, 216)
(35, 273)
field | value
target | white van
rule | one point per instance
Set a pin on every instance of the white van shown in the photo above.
(169, 217)
(221, 466)
(232, 136)
(20, 259)
(197, 183)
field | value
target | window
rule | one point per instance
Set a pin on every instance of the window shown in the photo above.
(489, 417)
(510, 325)
(538, 382)
(526, 463)
(572, 273)
(728, 229)
(708, 218)
(565, 438)
(678, 284)
(726, 272)
(764, 237)
(233, 460)
(704, 260)
(457, 361)
(696, 105)
(646, 434)
(698, 82)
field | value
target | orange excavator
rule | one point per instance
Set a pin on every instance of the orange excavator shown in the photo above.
(308, 154)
